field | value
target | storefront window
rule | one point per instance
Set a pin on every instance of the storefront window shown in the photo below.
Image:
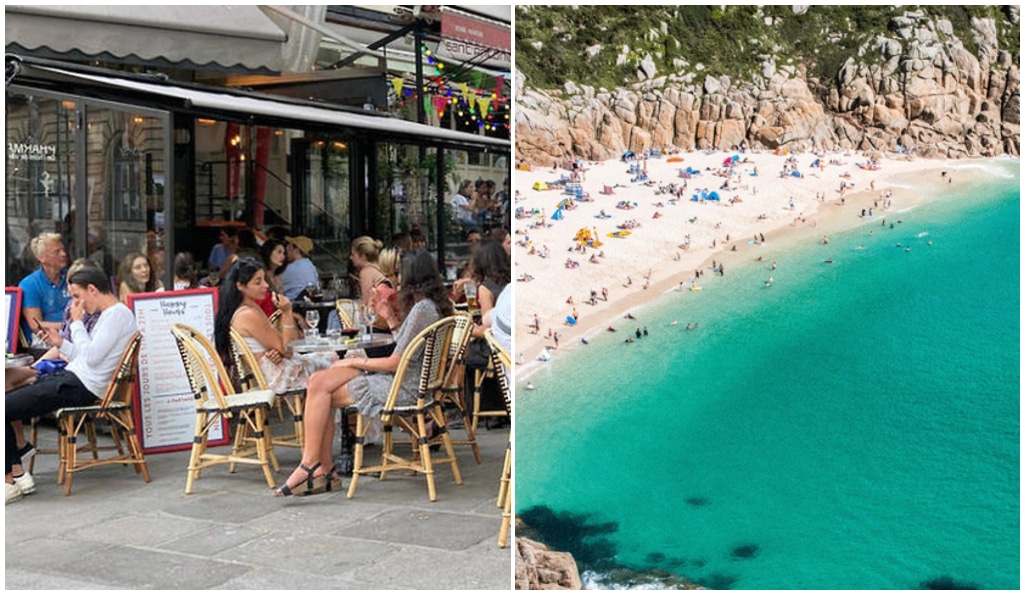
(40, 177)
(125, 187)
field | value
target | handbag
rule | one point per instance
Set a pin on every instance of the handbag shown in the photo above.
(45, 367)
(478, 354)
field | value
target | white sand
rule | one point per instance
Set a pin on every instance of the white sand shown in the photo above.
(655, 245)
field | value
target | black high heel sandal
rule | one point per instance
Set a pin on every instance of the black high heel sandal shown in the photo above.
(311, 485)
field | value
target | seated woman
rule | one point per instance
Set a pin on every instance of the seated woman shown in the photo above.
(365, 382)
(489, 268)
(244, 285)
(136, 276)
(273, 254)
(186, 271)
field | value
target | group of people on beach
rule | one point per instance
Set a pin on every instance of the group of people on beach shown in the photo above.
(735, 178)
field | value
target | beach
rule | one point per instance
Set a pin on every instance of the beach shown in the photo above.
(855, 425)
(677, 238)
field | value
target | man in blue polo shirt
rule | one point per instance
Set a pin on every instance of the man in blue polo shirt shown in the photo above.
(45, 292)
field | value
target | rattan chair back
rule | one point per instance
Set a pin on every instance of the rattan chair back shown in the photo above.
(433, 342)
(502, 364)
(248, 375)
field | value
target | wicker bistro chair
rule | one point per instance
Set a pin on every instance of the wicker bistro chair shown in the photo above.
(451, 388)
(215, 403)
(248, 376)
(501, 362)
(346, 309)
(479, 375)
(117, 408)
(412, 419)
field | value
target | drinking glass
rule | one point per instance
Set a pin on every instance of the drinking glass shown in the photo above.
(470, 289)
(367, 316)
(313, 322)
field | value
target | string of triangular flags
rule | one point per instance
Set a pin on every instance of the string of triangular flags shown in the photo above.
(472, 104)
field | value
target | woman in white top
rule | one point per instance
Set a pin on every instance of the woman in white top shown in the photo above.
(243, 287)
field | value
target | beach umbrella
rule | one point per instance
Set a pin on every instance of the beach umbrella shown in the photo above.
(571, 321)
(713, 195)
(540, 186)
(557, 215)
(627, 154)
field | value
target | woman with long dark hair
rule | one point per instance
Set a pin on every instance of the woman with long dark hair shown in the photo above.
(240, 291)
(489, 269)
(273, 254)
(366, 381)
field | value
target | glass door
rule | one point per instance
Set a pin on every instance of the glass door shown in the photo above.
(41, 160)
(126, 175)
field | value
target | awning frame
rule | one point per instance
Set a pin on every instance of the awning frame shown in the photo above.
(236, 105)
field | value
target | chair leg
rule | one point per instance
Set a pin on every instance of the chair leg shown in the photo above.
(503, 533)
(90, 433)
(34, 433)
(459, 401)
(478, 381)
(261, 435)
(503, 485)
(71, 428)
(127, 425)
(357, 464)
(198, 448)
(425, 454)
(387, 445)
(439, 418)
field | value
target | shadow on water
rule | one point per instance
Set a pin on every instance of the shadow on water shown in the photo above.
(595, 554)
(743, 552)
(946, 583)
(573, 533)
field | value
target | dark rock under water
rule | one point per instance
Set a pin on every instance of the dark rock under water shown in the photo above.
(744, 552)
(946, 583)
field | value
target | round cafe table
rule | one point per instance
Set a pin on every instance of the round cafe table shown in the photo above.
(344, 462)
(322, 344)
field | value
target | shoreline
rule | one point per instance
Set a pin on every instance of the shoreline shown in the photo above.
(912, 183)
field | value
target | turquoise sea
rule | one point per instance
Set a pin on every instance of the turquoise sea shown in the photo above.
(853, 426)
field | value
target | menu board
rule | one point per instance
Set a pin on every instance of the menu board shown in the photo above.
(12, 314)
(164, 408)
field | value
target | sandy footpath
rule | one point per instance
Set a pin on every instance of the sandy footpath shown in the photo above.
(655, 257)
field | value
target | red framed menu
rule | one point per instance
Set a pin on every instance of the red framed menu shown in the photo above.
(164, 406)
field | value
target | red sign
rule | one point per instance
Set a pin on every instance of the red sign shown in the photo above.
(465, 27)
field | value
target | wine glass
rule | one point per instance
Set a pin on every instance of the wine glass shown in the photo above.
(313, 322)
(367, 317)
(371, 316)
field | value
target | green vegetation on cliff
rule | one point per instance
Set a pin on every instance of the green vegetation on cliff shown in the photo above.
(552, 42)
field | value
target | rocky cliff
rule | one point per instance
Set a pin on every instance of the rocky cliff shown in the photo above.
(538, 568)
(916, 87)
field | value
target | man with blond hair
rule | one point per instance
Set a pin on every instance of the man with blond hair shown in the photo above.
(45, 291)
